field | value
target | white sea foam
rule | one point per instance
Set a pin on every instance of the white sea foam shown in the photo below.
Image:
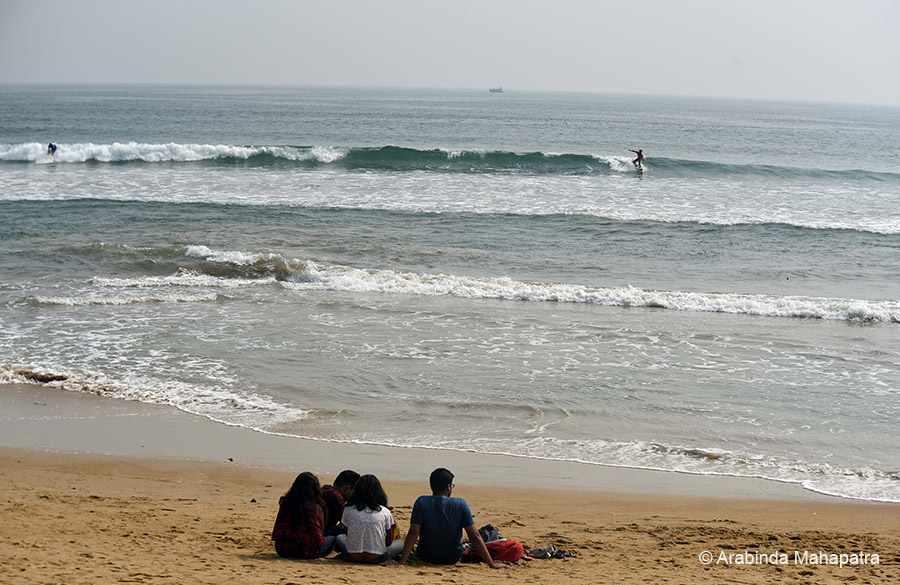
(453, 153)
(325, 154)
(305, 275)
(213, 401)
(169, 152)
(619, 164)
(184, 278)
(125, 299)
(227, 256)
(388, 281)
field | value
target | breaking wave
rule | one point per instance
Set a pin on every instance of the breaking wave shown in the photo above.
(388, 281)
(396, 158)
(230, 268)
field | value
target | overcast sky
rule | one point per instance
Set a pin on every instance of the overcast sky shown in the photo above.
(823, 50)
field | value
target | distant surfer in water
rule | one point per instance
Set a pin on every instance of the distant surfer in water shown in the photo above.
(51, 149)
(639, 161)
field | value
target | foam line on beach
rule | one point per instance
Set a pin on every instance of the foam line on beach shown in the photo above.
(856, 484)
(212, 401)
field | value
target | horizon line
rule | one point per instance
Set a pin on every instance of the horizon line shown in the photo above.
(506, 89)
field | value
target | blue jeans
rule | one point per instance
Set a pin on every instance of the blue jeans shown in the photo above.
(326, 548)
(393, 550)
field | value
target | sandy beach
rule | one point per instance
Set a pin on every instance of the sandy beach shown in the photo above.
(102, 491)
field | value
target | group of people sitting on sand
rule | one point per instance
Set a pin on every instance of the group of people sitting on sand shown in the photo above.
(352, 517)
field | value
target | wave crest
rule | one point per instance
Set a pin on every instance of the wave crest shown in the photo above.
(388, 281)
(207, 268)
(397, 158)
(170, 152)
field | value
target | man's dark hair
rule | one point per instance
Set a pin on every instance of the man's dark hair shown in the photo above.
(440, 479)
(347, 477)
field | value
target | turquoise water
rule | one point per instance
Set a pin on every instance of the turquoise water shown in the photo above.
(468, 270)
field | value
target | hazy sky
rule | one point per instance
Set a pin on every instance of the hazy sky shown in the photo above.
(828, 50)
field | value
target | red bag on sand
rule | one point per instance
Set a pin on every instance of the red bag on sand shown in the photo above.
(505, 551)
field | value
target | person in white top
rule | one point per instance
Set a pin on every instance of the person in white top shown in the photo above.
(371, 531)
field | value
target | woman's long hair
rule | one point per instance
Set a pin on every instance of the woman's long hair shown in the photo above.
(368, 493)
(303, 497)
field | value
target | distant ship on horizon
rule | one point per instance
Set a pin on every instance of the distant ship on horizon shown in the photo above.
(496, 89)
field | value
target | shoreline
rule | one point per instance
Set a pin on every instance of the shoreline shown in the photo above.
(101, 491)
(83, 519)
(39, 417)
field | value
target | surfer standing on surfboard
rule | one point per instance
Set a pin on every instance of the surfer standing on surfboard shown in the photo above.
(51, 149)
(639, 161)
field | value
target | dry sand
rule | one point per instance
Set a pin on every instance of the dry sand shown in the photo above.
(88, 517)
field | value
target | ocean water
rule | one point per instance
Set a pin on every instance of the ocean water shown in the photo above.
(472, 271)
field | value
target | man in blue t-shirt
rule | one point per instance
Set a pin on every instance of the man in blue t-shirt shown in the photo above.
(437, 523)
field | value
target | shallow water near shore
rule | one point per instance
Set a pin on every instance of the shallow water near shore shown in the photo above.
(466, 271)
